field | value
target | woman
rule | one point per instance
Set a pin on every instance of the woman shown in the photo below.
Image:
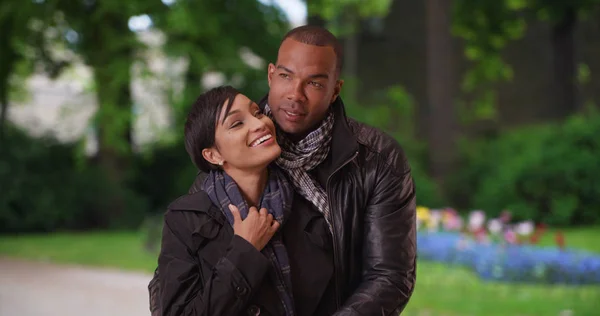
(222, 251)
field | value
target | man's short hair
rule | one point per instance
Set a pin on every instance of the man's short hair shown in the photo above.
(318, 36)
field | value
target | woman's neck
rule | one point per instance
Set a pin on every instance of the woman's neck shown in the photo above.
(251, 184)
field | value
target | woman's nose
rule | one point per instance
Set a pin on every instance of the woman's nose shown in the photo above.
(257, 124)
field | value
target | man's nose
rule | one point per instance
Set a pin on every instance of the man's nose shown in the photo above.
(296, 93)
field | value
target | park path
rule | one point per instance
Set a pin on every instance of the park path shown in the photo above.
(44, 289)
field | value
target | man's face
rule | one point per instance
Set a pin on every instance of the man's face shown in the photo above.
(302, 84)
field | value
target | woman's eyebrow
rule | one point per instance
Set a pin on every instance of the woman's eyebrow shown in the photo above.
(228, 115)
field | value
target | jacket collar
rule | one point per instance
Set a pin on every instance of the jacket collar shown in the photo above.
(199, 202)
(344, 143)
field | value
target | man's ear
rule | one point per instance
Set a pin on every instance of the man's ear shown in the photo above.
(270, 73)
(337, 89)
(213, 156)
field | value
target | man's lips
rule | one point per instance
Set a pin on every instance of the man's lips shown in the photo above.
(292, 115)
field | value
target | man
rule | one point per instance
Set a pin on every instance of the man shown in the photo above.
(355, 176)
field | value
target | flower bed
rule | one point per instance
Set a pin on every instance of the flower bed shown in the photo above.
(502, 251)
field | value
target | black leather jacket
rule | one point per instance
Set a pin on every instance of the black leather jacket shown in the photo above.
(373, 205)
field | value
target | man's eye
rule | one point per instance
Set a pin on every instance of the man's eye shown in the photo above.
(284, 76)
(258, 113)
(316, 84)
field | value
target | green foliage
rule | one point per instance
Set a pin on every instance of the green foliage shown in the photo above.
(42, 190)
(212, 36)
(23, 44)
(556, 11)
(487, 27)
(98, 33)
(548, 173)
(330, 9)
(394, 113)
(343, 16)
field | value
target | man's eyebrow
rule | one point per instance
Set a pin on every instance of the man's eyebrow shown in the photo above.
(284, 68)
(315, 76)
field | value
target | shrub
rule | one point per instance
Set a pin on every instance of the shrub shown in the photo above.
(163, 173)
(44, 189)
(547, 173)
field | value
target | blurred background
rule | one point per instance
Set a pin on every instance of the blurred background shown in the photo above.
(495, 102)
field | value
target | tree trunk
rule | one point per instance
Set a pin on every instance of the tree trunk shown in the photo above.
(440, 81)
(114, 126)
(564, 86)
(111, 63)
(8, 58)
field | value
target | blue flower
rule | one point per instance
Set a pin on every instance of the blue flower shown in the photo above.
(511, 263)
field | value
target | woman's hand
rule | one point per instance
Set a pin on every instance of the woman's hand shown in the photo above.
(257, 228)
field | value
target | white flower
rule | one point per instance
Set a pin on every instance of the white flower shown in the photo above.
(435, 220)
(524, 228)
(476, 220)
(494, 226)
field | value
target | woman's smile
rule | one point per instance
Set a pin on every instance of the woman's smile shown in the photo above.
(263, 140)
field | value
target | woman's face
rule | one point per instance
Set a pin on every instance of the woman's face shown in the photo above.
(244, 137)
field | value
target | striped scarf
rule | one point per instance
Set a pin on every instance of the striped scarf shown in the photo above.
(277, 199)
(299, 158)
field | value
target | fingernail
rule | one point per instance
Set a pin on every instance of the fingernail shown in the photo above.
(231, 208)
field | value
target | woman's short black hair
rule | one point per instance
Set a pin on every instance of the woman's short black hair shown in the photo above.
(201, 123)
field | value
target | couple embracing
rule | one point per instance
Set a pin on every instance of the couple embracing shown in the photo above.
(297, 209)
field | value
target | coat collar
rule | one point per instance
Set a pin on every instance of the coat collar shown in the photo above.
(199, 202)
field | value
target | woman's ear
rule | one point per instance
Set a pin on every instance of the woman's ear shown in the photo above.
(213, 156)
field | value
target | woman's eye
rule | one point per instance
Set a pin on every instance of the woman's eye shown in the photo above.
(236, 124)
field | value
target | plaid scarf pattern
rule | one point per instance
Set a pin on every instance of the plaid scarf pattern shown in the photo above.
(298, 158)
(277, 199)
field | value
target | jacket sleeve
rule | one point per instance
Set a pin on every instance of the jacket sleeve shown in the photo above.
(389, 249)
(185, 291)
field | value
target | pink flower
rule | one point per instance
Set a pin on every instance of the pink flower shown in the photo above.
(452, 221)
(510, 236)
(481, 236)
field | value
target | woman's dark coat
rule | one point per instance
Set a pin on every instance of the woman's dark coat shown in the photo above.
(207, 270)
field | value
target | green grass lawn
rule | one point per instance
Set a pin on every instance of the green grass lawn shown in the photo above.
(440, 290)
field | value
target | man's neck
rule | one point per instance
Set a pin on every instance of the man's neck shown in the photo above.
(297, 137)
(300, 136)
(251, 184)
